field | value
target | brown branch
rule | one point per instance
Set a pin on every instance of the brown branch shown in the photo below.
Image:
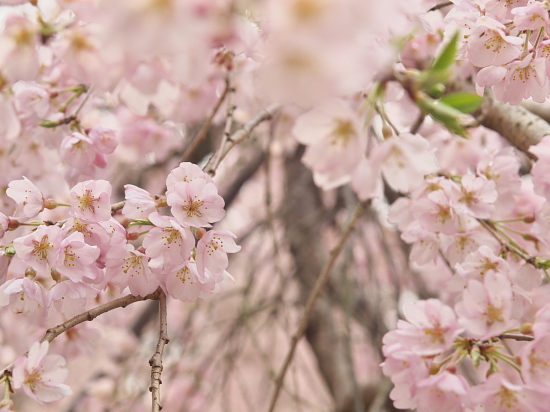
(317, 288)
(516, 124)
(239, 136)
(203, 132)
(516, 336)
(156, 359)
(90, 315)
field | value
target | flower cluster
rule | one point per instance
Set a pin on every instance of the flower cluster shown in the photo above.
(509, 41)
(61, 266)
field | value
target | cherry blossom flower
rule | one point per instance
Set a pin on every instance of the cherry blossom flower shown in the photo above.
(435, 213)
(212, 251)
(479, 263)
(530, 17)
(486, 308)
(430, 328)
(335, 144)
(41, 375)
(29, 199)
(139, 203)
(535, 362)
(76, 258)
(196, 203)
(182, 283)
(524, 78)
(488, 44)
(186, 172)
(18, 48)
(404, 160)
(475, 197)
(91, 200)
(126, 266)
(498, 394)
(31, 101)
(70, 298)
(39, 249)
(442, 392)
(167, 244)
(22, 295)
(104, 139)
(78, 150)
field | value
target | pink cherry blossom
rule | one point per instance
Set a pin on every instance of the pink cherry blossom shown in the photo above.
(70, 298)
(78, 150)
(479, 263)
(139, 203)
(168, 244)
(404, 160)
(91, 200)
(31, 101)
(475, 197)
(430, 328)
(212, 251)
(76, 259)
(442, 392)
(39, 249)
(41, 375)
(18, 48)
(489, 45)
(196, 203)
(29, 199)
(186, 172)
(524, 78)
(104, 139)
(498, 394)
(530, 17)
(486, 308)
(23, 295)
(335, 144)
(535, 361)
(435, 213)
(182, 283)
(127, 267)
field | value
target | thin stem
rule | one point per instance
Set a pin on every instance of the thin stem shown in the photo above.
(228, 120)
(203, 132)
(156, 359)
(239, 136)
(516, 336)
(316, 291)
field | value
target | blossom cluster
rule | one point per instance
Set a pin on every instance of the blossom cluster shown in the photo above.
(60, 266)
(509, 42)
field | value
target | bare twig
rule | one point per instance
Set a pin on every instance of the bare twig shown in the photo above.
(203, 132)
(317, 288)
(156, 359)
(240, 135)
(516, 336)
(90, 315)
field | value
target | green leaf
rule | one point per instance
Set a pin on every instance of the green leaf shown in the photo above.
(453, 119)
(447, 56)
(463, 101)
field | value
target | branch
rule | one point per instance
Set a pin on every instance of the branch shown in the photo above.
(317, 288)
(516, 336)
(240, 135)
(203, 132)
(515, 123)
(156, 359)
(90, 315)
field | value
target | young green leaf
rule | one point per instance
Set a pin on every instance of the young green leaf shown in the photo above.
(464, 101)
